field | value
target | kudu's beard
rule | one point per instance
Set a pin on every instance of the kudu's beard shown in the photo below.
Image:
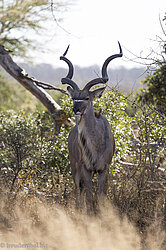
(77, 119)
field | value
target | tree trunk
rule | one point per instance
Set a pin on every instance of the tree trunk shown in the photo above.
(32, 85)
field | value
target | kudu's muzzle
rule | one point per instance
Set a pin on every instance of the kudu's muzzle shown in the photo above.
(78, 107)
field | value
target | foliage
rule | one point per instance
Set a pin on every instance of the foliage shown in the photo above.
(16, 17)
(14, 96)
(139, 189)
(32, 156)
(152, 138)
(155, 83)
(5, 93)
(155, 90)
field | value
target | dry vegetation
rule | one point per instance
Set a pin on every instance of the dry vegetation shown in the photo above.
(128, 221)
(54, 227)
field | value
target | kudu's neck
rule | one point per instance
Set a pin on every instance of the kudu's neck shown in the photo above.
(87, 120)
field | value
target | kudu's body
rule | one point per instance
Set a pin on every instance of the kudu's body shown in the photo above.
(91, 148)
(91, 143)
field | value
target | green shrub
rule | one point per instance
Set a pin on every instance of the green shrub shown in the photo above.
(32, 155)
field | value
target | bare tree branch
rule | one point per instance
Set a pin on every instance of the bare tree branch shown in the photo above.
(34, 86)
(161, 24)
(55, 19)
(48, 86)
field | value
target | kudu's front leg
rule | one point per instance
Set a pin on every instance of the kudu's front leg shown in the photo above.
(79, 186)
(103, 181)
(87, 179)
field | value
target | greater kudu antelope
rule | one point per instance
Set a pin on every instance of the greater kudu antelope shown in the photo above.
(91, 143)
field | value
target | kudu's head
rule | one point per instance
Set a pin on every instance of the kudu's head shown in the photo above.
(82, 99)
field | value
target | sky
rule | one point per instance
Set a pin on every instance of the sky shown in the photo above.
(94, 27)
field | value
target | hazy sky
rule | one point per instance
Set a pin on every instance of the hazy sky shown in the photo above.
(95, 26)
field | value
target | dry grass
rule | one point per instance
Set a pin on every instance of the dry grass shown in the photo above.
(133, 217)
(44, 226)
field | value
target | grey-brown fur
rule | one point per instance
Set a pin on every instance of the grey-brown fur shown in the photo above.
(84, 164)
(91, 143)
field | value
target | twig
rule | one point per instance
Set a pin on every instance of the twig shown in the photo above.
(157, 112)
(48, 86)
(57, 23)
(162, 26)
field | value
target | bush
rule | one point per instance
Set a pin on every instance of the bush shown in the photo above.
(32, 156)
(139, 189)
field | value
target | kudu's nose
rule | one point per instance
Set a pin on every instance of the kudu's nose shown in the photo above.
(76, 108)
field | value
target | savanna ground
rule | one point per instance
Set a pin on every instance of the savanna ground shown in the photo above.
(37, 197)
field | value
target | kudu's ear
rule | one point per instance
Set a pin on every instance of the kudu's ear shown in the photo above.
(97, 93)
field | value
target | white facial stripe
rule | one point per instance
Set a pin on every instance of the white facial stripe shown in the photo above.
(78, 100)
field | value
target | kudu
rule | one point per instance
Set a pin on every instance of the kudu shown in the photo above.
(91, 143)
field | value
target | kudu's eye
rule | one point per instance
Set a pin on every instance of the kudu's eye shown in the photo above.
(87, 98)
